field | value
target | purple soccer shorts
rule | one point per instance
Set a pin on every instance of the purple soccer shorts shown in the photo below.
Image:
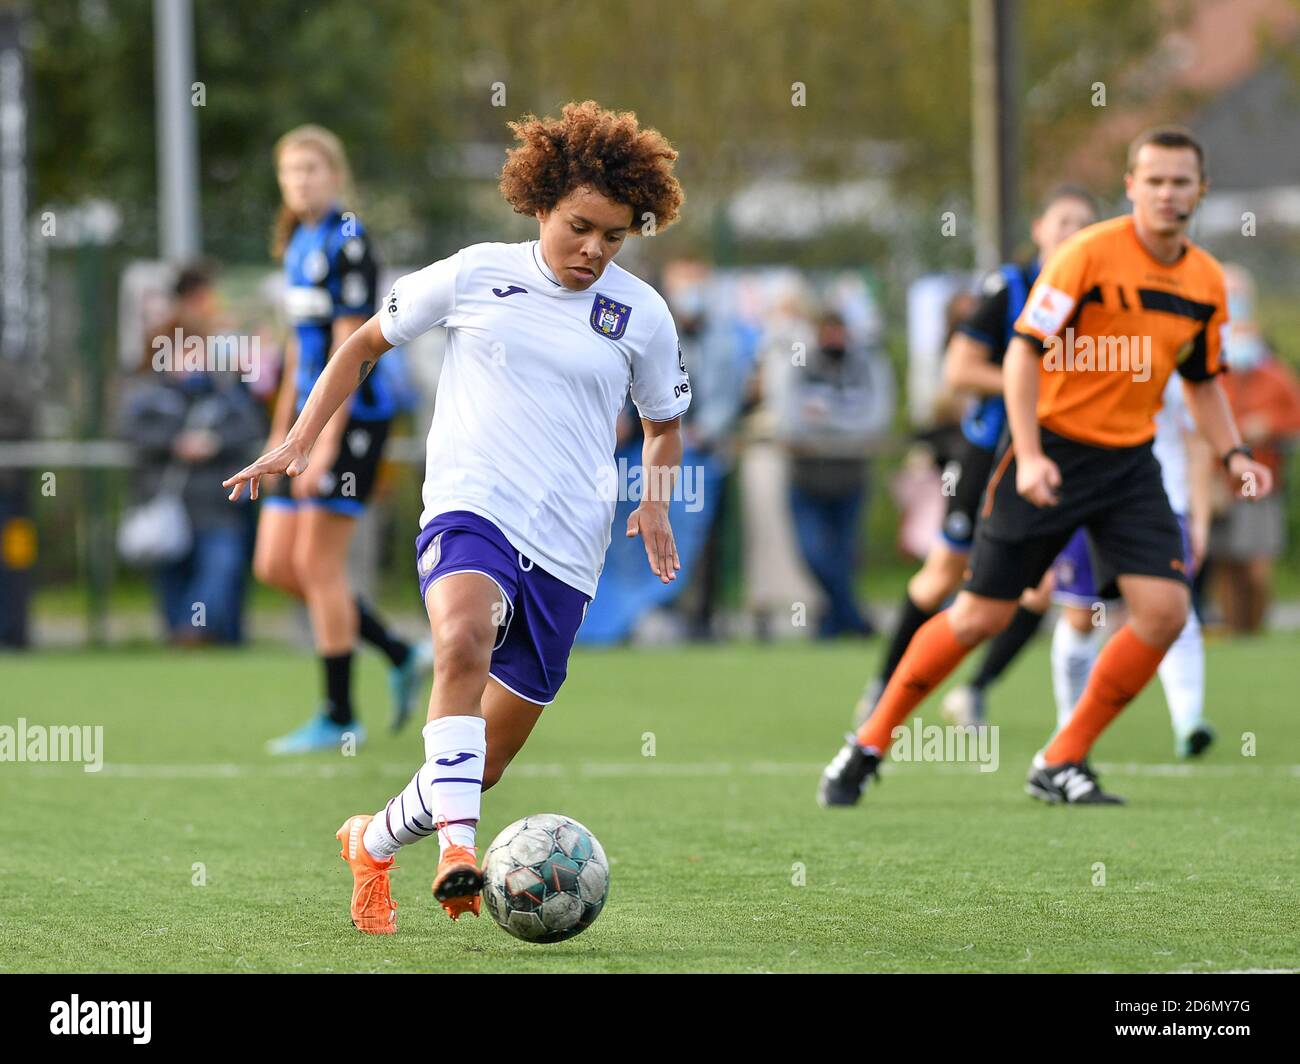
(541, 613)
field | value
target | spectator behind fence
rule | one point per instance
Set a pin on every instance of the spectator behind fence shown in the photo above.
(1249, 535)
(197, 424)
(831, 405)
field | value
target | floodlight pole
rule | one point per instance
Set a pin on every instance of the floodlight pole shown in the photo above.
(178, 153)
(993, 126)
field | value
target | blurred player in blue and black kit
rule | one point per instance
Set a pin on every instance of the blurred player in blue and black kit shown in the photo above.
(973, 363)
(308, 521)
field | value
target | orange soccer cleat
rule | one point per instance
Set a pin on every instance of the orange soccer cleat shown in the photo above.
(458, 881)
(373, 908)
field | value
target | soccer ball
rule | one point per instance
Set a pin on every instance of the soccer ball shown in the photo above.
(545, 878)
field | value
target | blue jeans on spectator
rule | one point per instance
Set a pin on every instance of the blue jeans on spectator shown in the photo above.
(213, 574)
(827, 530)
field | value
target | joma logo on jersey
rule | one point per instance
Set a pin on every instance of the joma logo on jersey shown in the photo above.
(609, 317)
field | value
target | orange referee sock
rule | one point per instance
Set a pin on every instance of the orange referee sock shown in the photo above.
(1124, 666)
(931, 655)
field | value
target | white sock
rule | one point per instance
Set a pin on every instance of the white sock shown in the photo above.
(448, 787)
(1073, 655)
(1182, 674)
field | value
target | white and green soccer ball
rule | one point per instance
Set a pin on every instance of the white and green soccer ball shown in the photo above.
(545, 878)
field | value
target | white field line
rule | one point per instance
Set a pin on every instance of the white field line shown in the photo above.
(647, 768)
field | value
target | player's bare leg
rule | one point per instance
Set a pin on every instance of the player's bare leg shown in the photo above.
(303, 551)
(277, 526)
(938, 577)
(465, 611)
(316, 542)
(443, 797)
(320, 560)
(510, 720)
(278, 531)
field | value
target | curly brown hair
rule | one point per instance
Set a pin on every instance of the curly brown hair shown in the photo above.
(591, 147)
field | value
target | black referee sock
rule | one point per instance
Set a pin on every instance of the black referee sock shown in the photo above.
(372, 630)
(338, 687)
(910, 618)
(1006, 645)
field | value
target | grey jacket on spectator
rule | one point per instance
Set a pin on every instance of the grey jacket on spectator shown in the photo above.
(158, 407)
(830, 412)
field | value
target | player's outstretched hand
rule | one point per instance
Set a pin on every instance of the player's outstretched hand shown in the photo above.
(1250, 479)
(290, 458)
(1037, 478)
(651, 524)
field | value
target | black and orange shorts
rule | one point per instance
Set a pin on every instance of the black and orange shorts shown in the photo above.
(1116, 493)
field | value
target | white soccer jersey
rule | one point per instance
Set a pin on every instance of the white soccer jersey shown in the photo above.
(534, 378)
(1172, 420)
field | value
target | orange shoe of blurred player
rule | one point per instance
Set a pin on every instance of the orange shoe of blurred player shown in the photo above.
(373, 908)
(458, 881)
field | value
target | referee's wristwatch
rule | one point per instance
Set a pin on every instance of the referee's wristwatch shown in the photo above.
(1239, 449)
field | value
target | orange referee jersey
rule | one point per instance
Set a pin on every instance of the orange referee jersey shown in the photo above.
(1113, 323)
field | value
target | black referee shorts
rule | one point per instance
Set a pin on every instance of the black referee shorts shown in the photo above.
(1116, 493)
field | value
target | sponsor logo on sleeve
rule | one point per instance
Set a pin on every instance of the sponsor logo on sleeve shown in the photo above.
(1048, 309)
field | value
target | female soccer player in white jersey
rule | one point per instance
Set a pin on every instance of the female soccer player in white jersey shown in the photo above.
(545, 340)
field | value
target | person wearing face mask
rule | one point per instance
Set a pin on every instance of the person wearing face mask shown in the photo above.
(188, 424)
(829, 412)
(1247, 538)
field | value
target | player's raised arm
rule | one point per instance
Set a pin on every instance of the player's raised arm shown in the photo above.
(344, 372)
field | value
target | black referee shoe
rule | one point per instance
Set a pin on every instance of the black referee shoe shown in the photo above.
(1069, 783)
(845, 777)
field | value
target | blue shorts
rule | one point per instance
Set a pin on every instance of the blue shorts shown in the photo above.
(1078, 582)
(542, 613)
(346, 488)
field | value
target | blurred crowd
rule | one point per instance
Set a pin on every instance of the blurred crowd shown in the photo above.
(795, 428)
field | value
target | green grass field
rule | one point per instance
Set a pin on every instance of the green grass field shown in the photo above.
(942, 868)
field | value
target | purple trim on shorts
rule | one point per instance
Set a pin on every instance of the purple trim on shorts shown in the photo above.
(456, 779)
(1185, 530)
(1072, 571)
